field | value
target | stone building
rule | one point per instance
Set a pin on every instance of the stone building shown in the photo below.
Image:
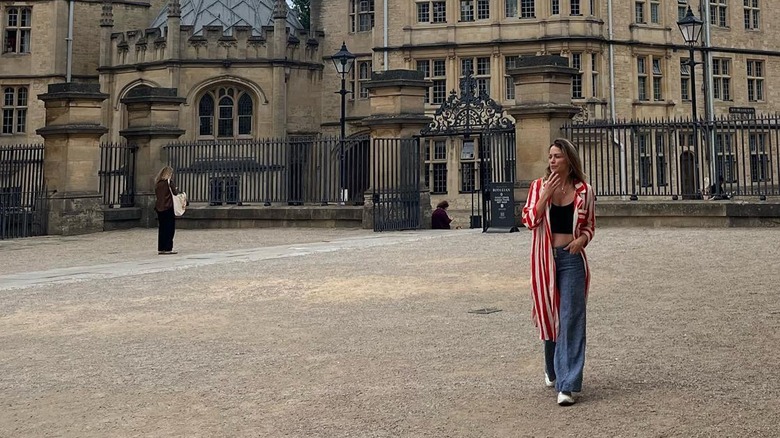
(248, 69)
(237, 58)
(645, 49)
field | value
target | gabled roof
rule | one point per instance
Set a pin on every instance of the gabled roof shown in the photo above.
(226, 13)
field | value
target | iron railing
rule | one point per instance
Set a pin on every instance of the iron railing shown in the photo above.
(674, 157)
(22, 191)
(117, 174)
(294, 170)
(396, 184)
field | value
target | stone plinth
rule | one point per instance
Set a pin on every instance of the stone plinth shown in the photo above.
(543, 89)
(72, 157)
(397, 111)
(153, 122)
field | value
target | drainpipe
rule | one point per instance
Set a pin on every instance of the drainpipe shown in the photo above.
(69, 39)
(611, 63)
(709, 106)
(612, 106)
(384, 47)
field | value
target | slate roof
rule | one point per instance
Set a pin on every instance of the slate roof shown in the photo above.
(226, 13)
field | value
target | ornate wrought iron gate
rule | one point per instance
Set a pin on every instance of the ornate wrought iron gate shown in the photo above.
(396, 183)
(474, 115)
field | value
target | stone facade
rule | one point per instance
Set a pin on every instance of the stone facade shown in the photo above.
(491, 33)
(494, 40)
(44, 61)
(290, 84)
(138, 57)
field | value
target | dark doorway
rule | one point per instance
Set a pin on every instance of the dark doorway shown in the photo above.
(357, 157)
(688, 175)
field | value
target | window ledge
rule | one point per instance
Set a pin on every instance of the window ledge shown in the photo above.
(653, 102)
(650, 26)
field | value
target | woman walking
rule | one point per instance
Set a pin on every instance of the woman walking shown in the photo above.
(560, 211)
(164, 189)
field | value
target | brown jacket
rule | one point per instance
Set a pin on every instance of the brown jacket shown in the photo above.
(164, 200)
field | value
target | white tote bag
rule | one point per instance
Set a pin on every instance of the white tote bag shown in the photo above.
(179, 201)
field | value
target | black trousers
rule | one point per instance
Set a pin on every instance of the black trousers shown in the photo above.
(166, 222)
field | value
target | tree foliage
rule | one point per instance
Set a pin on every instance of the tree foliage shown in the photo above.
(301, 8)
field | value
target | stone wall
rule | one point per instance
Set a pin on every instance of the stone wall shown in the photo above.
(47, 61)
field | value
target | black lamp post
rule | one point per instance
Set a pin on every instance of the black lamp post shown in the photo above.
(690, 27)
(343, 60)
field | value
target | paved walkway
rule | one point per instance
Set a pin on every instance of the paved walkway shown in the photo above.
(155, 264)
(349, 333)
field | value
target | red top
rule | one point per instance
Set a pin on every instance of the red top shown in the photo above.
(544, 291)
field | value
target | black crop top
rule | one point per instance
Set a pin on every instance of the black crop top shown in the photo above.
(561, 218)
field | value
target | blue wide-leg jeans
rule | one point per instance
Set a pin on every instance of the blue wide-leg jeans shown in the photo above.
(565, 359)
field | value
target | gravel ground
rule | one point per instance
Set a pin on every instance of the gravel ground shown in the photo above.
(377, 340)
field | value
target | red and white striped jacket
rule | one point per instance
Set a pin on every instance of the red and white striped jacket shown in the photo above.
(544, 291)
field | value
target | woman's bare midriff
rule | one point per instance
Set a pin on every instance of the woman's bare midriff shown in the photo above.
(561, 239)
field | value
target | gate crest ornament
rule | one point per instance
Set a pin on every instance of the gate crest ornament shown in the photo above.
(472, 111)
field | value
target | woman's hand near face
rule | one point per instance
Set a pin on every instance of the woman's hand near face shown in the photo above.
(576, 245)
(552, 184)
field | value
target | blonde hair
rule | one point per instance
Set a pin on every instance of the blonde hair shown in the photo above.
(165, 173)
(572, 157)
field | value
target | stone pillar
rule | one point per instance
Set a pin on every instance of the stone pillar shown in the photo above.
(153, 122)
(173, 42)
(106, 28)
(314, 18)
(173, 36)
(398, 111)
(72, 157)
(279, 93)
(543, 106)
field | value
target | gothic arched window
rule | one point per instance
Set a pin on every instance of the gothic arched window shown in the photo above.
(225, 112)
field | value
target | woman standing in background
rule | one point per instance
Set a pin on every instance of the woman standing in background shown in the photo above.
(164, 189)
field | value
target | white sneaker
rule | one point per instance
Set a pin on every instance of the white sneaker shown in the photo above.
(547, 382)
(565, 399)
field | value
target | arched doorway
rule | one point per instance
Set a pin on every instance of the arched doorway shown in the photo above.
(688, 175)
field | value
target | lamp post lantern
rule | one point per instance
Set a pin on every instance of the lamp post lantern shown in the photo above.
(343, 61)
(691, 27)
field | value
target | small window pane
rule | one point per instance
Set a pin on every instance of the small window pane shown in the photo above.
(13, 17)
(22, 97)
(8, 121)
(440, 150)
(8, 99)
(245, 105)
(206, 111)
(26, 17)
(21, 120)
